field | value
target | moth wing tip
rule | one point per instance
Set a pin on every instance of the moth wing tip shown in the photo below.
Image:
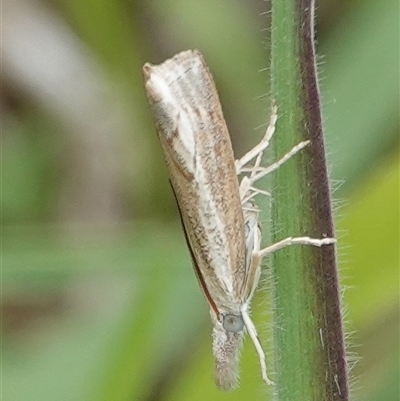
(147, 70)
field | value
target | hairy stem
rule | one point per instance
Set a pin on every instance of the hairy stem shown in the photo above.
(310, 360)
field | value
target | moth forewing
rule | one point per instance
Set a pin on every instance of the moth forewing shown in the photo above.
(199, 156)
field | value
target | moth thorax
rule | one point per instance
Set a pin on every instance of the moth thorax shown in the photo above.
(232, 323)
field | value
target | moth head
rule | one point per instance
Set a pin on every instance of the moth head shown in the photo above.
(232, 323)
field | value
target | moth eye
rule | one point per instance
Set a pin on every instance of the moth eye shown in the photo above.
(232, 323)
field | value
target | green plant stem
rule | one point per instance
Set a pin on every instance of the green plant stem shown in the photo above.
(310, 360)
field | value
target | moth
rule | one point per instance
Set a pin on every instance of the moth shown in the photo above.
(219, 215)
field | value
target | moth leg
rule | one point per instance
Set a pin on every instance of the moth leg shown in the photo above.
(247, 192)
(253, 240)
(258, 150)
(255, 176)
(247, 188)
(251, 329)
(255, 172)
(295, 241)
(252, 276)
(250, 194)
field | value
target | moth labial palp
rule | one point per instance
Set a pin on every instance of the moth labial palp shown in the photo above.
(219, 216)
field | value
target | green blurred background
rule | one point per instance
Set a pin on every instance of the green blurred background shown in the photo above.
(99, 299)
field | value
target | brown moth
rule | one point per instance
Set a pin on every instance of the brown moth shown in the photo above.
(219, 217)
